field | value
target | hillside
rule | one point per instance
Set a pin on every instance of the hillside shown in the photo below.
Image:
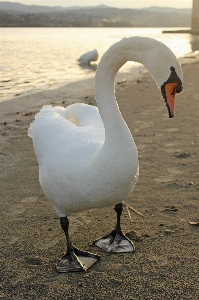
(18, 15)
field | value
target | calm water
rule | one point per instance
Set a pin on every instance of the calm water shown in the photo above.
(41, 58)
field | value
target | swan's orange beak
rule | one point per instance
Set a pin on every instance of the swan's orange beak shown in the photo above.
(170, 89)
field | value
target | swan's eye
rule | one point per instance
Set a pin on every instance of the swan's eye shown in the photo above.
(179, 88)
(174, 78)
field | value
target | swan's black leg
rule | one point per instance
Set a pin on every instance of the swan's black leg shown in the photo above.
(115, 241)
(74, 260)
(118, 208)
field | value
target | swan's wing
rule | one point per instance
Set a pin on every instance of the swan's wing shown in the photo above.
(76, 131)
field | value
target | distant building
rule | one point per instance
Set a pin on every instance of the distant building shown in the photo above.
(195, 16)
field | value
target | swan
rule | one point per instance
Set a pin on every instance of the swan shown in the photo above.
(87, 57)
(87, 156)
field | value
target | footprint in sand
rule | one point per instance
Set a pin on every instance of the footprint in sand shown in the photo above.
(29, 200)
(141, 147)
(47, 242)
(136, 130)
(144, 124)
(147, 112)
(171, 130)
(13, 239)
(171, 144)
(172, 150)
(171, 147)
(8, 160)
(172, 171)
(158, 261)
(175, 170)
(20, 208)
(164, 179)
(16, 210)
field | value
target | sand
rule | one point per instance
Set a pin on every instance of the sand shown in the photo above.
(166, 262)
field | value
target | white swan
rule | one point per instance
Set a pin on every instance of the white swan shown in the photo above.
(87, 156)
(87, 57)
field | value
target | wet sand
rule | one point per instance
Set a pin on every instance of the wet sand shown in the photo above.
(166, 262)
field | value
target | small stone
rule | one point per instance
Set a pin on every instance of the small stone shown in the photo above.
(194, 223)
(171, 209)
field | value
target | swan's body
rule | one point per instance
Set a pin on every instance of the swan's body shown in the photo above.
(87, 156)
(87, 57)
(77, 169)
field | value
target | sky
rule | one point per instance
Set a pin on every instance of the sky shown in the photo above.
(113, 3)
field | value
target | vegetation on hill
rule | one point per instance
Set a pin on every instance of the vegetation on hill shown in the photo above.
(19, 15)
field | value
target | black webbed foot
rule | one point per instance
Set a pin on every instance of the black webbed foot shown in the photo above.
(116, 241)
(74, 260)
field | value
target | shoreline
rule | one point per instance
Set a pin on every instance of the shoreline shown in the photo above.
(133, 70)
(73, 92)
(67, 93)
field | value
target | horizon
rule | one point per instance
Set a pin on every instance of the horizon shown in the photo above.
(180, 4)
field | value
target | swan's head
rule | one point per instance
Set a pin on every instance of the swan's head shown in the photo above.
(169, 89)
(159, 60)
(165, 69)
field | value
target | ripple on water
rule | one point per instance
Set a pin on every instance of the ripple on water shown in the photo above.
(30, 53)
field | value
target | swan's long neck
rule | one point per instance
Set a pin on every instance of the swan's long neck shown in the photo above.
(151, 53)
(105, 93)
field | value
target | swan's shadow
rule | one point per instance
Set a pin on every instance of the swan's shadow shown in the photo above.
(88, 66)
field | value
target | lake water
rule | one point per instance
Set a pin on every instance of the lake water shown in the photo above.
(34, 59)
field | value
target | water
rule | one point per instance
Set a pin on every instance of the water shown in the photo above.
(34, 59)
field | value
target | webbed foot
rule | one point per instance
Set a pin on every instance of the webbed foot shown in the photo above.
(115, 242)
(76, 260)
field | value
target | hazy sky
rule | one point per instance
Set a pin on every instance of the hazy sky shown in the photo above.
(114, 3)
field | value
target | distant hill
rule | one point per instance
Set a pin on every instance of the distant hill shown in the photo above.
(19, 15)
(14, 7)
(168, 9)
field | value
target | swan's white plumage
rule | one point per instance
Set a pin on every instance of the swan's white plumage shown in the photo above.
(87, 57)
(87, 157)
(70, 172)
(63, 130)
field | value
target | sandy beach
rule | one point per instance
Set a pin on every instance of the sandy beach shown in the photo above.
(166, 262)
